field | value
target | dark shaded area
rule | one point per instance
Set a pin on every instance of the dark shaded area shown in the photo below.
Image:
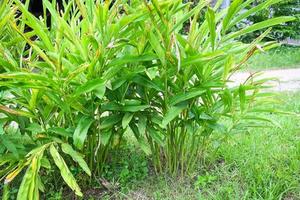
(36, 7)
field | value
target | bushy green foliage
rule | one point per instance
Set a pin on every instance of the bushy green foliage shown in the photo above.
(281, 31)
(105, 73)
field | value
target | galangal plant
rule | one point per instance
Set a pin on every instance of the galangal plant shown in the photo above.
(104, 71)
(186, 86)
(53, 88)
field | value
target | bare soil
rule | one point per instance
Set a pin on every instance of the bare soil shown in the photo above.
(284, 79)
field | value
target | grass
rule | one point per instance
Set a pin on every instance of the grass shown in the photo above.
(259, 164)
(278, 58)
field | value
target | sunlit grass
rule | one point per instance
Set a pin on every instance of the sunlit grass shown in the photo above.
(278, 58)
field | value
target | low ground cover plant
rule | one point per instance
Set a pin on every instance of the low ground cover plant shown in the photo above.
(106, 73)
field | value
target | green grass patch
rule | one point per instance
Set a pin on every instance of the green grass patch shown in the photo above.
(278, 58)
(257, 164)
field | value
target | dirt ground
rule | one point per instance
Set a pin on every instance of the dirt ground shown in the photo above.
(286, 79)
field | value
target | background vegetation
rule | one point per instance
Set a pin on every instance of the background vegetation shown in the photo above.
(283, 31)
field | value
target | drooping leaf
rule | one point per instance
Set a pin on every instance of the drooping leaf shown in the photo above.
(64, 171)
(16, 112)
(81, 131)
(28, 189)
(14, 173)
(110, 121)
(66, 148)
(142, 124)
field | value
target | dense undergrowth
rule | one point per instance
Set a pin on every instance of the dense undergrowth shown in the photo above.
(104, 75)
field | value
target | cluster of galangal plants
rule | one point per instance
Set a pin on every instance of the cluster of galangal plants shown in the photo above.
(80, 79)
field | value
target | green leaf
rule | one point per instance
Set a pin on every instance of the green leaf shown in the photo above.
(97, 85)
(112, 106)
(81, 131)
(105, 137)
(156, 45)
(5, 192)
(210, 17)
(45, 163)
(9, 145)
(141, 80)
(60, 131)
(28, 189)
(260, 118)
(251, 11)
(188, 15)
(126, 119)
(132, 59)
(110, 121)
(230, 14)
(242, 95)
(34, 46)
(258, 26)
(2, 122)
(201, 58)
(144, 145)
(156, 135)
(64, 171)
(100, 91)
(34, 128)
(39, 28)
(142, 123)
(172, 113)
(229, 63)
(16, 112)
(183, 96)
(66, 148)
